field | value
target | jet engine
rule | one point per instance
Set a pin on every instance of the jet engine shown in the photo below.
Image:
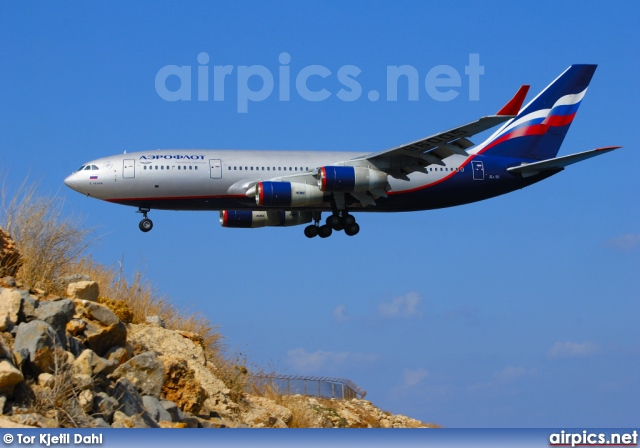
(351, 178)
(273, 218)
(287, 194)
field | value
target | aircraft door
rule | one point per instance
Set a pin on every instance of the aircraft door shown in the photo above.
(129, 168)
(478, 170)
(215, 168)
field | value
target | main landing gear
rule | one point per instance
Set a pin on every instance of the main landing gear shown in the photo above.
(146, 224)
(336, 221)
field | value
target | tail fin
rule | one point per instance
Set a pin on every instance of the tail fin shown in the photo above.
(540, 127)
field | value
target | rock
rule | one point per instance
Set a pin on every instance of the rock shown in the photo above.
(101, 338)
(35, 346)
(89, 363)
(274, 409)
(104, 330)
(10, 259)
(384, 423)
(155, 409)
(181, 386)
(97, 312)
(45, 380)
(119, 307)
(145, 371)
(56, 313)
(118, 354)
(173, 347)
(6, 341)
(83, 290)
(256, 415)
(3, 402)
(172, 409)
(350, 417)
(9, 281)
(63, 282)
(190, 420)
(104, 406)
(100, 423)
(76, 327)
(34, 419)
(155, 320)
(85, 400)
(75, 345)
(81, 382)
(10, 301)
(277, 423)
(29, 306)
(9, 377)
(121, 420)
(131, 402)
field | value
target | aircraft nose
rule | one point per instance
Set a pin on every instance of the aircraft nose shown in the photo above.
(71, 181)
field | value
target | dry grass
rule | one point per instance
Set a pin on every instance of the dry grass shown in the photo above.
(48, 241)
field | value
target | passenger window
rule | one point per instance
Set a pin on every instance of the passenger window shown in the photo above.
(240, 168)
(156, 166)
(190, 167)
(268, 168)
(196, 168)
(235, 168)
(251, 168)
(161, 167)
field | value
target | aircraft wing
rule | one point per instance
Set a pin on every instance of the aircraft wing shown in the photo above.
(415, 156)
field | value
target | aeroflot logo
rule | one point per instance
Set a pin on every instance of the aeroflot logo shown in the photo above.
(170, 157)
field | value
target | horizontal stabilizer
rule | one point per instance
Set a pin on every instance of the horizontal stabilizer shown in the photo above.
(529, 169)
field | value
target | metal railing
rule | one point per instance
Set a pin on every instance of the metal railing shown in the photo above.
(319, 386)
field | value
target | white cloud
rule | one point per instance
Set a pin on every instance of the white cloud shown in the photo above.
(573, 349)
(406, 306)
(626, 243)
(413, 377)
(303, 361)
(340, 313)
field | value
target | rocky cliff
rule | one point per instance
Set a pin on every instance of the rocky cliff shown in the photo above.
(78, 361)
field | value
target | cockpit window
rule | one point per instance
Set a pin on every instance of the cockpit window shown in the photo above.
(93, 167)
(88, 167)
(81, 168)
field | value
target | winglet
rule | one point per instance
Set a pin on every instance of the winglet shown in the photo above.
(514, 106)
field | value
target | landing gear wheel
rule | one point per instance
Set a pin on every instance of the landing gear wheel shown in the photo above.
(353, 229)
(348, 220)
(324, 231)
(334, 221)
(145, 225)
(311, 231)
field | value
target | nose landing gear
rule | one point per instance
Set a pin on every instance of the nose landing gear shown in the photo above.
(146, 224)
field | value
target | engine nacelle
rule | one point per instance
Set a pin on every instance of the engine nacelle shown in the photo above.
(249, 219)
(351, 178)
(287, 194)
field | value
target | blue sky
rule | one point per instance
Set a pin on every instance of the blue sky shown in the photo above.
(519, 311)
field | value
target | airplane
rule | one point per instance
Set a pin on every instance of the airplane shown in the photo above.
(287, 188)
